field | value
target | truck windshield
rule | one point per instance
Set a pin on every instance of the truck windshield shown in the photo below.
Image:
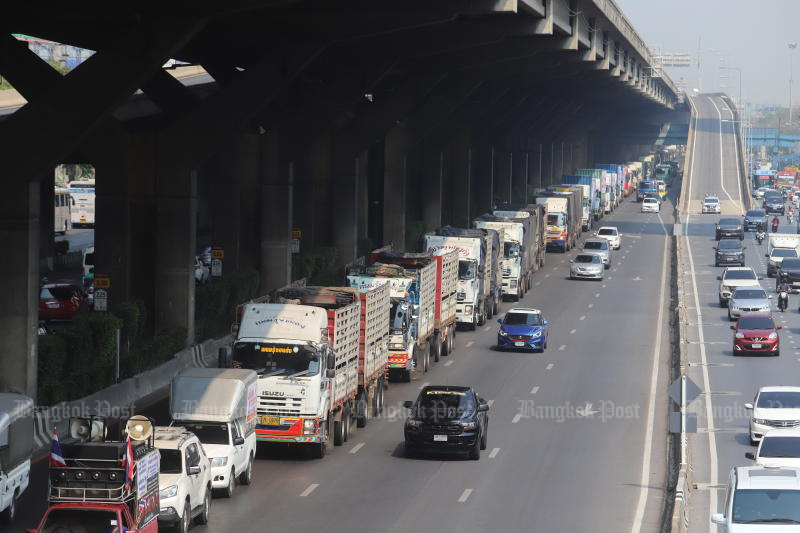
(80, 520)
(510, 250)
(276, 359)
(555, 220)
(398, 317)
(467, 270)
(170, 462)
(208, 432)
(767, 506)
(647, 185)
(783, 252)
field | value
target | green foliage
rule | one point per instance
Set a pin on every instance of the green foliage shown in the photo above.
(4, 85)
(59, 67)
(215, 303)
(318, 266)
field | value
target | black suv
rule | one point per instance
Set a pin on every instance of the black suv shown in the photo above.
(753, 218)
(730, 228)
(444, 418)
(729, 252)
(790, 268)
(773, 203)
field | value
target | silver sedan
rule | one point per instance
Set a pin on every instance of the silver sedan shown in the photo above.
(600, 247)
(586, 266)
(748, 300)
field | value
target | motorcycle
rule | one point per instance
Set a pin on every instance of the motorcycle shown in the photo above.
(760, 236)
(783, 301)
(789, 218)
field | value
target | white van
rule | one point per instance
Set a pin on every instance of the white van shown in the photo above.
(88, 260)
(219, 406)
(16, 446)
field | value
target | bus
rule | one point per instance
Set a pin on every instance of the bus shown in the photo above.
(63, 210)
(83, 194)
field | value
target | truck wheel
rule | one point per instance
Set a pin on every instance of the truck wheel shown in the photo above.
(227, 492)
(338, 432)
(362, 408)
(406, 376)
(496, 307)
(347, 423)
(246, 477)
(202, 518)
(7, 516)
(436, 348)
(379, 399)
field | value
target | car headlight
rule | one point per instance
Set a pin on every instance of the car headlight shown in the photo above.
(309, 426)
(761, 421)
(413, 423)
(219, 461)
(168, 492)
(739, 335)
(396, 346)
(468, 425)
(53, 305)
(537, 334)
(773, 335)
(467, 308)
(502, 333)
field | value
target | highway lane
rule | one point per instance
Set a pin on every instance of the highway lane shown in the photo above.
(548, 467)
(722, 439)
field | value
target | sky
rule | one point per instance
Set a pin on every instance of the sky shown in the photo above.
(752, 35)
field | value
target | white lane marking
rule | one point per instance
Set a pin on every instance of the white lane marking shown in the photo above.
(651, 403)
(582, 317)
(609, 277)
(487, 328)
(464, 495)
(597, 295)
(604, 285)
(450, 362)
(490, 402)
(721, 154)
(538, 283)
(547, 275)
(424, 384)
(493, 453)
(357, 447)
(516, 418)
(590, 306)
(613, 270)
(470, 343)
(562, 347)
(311, 488)
(549, 366)
(535, 389)
(572, 331)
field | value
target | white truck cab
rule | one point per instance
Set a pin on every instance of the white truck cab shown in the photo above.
(184, 478)
(218, 405)
(16, 446)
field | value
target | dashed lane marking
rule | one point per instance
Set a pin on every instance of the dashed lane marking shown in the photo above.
(493, 453)
(357, 447)
(490, 402)
(424, 384)
(470, 343)
(549, 366)
(582, 317)
(590, 306)
(464, 496)
(535, 389)
(516, 418)
(311, 488)
(572, 331)
(450, 362)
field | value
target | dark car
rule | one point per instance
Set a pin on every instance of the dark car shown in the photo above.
(729, 228)
(729, 252)
(447, 418)
(60, 301)
(756, 333)
(753, 218)
(790, 269)
(773, 203)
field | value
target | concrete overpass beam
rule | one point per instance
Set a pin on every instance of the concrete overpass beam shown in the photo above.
(432, 190)
(19, 282)
(460, 182)
(520, 176)
(503, 162)
(395, 180)
(484, 189)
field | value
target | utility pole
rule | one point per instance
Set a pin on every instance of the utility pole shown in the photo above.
(792, 46)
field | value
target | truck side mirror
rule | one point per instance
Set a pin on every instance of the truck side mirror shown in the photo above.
(331, 362)
(750, 455)
(195, 470)
(408, 404)
(237, 441)
(330, 373)
(499, 320)
(234, 329)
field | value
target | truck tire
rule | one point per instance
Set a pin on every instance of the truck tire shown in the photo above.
(496, 307)
(10, 512)
(227, 492)
(379, 397)
(363, 408)
(436, 348)
(338, 430)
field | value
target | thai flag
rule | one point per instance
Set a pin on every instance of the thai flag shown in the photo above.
(56, 457)
(127, 463)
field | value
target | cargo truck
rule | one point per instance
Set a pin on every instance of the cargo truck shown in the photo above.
(16, 446)
(601, 190)
(305, 350)
(537, 214)
(478, 267)
(779, 247)
(561, 222)
(517, 256)
(591, 197)
(576, 204)
(646, 187)
(90, 487)
(617, 177)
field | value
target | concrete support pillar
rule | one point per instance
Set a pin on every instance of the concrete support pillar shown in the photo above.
(503, 161)
(19, 283)
(321, 212)
(395, 180)
(362, 187)
(47, 220)
(277, 179)
(460, 181)
(520, 162)
(484, 192)
(112, 233)
(176, 243)
(345, 197)
(433, 180)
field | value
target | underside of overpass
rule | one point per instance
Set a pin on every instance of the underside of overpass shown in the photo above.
(359, 125)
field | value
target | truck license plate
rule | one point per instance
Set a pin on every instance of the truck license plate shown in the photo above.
(440, 438)
(519, 344)
(756, 346)
(270, 421)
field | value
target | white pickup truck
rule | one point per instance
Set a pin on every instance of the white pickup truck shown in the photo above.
(16, 446)
(780, 246)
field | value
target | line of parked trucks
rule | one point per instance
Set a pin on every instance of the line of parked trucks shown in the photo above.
(309, 365)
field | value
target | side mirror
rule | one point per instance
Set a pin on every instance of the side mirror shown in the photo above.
(331, 362)
(195, 470)
(760, 277)
(238, 441)
(408, 404)
(719, 278)
(748, 406)
(778, 327)
(714, 247)
(545, 322)
(750, 455)
(499, 320)
(769, 297)
(234, 329)
(766, 255)
(745, 248)
(718, 518)
(330, 373)
(482, 408)
(732, 327)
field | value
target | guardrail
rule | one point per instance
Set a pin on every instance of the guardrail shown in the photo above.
(745, 185)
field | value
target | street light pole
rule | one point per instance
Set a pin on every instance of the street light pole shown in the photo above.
(792, 46)
(739, 72)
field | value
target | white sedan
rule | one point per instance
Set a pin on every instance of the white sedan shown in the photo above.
(773, 407)
(778, 447)
(612, 235)
(711, 205)
(651, 205)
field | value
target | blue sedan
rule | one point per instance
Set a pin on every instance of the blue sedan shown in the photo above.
(522, 329)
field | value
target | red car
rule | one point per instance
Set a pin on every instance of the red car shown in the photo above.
(60, 301)
(756, 334)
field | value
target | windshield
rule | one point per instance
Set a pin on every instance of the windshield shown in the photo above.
(523, 319)
(779, 400)
(790, 263)
(398, 317)
(779, 447)
(56, 293)
(467, 269)
(80, 521)
(650, 201)
(208, 433)
(784, 252)
(555, 220)
(753, 506)
(756, 322)
(647, 185)
(587, 258)
(282, 360)
(171, 462)
(739, 274)
(711, 201)
(607, 231)
(727, 244)
(510, 250)
(728, 222)
(444, 405)
(756, 213)
(750, 294)
(595, 245)
(89, 259)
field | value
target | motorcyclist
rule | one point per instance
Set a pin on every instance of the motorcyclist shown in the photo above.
(760, 233)
(790, 214)
(775, 224)
(783, 291)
